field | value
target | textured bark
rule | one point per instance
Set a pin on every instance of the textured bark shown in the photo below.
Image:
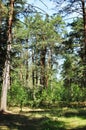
(6, 71)
(84, 46)
(50, 65)
(36, 77)
(33, 80)
(0, 15)
(42, 62)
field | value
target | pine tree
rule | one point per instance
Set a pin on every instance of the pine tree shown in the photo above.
(44, 35)
(76, 7)
(8, 44)
(6, 71)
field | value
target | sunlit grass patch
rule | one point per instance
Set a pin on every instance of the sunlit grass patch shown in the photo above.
(73, 122)
(4, 128)
(64, 118)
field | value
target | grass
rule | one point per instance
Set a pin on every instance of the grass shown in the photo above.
(73, 122)
(44, 119)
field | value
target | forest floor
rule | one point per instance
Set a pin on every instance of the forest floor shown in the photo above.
(44, 119)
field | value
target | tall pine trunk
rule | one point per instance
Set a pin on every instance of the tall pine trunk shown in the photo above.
(50, 65)
(84, 46)
(42, 63)
(6, 71)
(33, 80)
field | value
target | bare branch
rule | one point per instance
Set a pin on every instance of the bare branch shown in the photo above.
(43, 3)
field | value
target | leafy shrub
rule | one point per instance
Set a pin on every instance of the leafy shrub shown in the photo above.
(17, 95)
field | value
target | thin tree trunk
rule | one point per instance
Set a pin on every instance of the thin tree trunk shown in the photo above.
(42, 63)
(50, 67)
(36, 77)
(27, 62)
(33, 80)
(6, 71)
(84, 46)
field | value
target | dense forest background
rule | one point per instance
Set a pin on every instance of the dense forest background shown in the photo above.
(35, 48)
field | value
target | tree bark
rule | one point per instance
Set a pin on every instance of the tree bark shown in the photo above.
(33, 74)
(84, 46)
(6, 71)
(42, 63)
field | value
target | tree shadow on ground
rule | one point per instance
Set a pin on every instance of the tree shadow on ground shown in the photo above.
(22, 122)
(79, 113)
(81, 128)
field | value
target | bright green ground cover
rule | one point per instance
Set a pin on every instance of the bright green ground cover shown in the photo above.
(44, 119)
